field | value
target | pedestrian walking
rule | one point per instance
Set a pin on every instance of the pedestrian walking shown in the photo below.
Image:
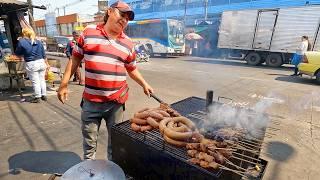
(36, 63)
(77, 75)
(297, 57)
(108, 54)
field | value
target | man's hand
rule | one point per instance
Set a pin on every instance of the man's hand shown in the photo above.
(62, 94)
(147, 89)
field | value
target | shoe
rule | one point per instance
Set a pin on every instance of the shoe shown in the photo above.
(35, 100)
(294, 75)
(44, 98)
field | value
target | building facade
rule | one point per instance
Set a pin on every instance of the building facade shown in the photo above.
(65, 24)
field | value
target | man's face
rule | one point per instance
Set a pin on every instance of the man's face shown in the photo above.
(75, 36)
(117, 19)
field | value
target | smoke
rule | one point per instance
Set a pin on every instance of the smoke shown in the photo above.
(309, 101)
(253, 120)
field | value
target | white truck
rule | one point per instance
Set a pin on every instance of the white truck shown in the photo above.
(269, 35)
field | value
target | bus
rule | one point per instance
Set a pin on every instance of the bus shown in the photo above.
(158, 36)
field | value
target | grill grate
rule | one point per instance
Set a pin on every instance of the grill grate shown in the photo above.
(154, 146)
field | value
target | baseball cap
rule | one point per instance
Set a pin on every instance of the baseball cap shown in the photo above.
(74, 33)
(125, 8)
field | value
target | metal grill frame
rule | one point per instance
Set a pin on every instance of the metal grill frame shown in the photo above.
(148, 156)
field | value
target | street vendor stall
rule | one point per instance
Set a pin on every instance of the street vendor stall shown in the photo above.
(12, 21)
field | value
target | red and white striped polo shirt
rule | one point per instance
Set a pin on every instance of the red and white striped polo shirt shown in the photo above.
(106, 62)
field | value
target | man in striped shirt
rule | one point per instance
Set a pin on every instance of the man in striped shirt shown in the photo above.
(108, 55)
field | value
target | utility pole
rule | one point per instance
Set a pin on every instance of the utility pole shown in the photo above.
(31, 20)
(205, 10)
(185, 11)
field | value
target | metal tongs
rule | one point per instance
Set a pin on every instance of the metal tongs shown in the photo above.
(157, 99)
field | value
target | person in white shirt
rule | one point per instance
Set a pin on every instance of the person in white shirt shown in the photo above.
(298, 56)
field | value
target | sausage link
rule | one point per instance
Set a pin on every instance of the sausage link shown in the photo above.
(144, 109)
(163, 124)
(177, 135)
(141, 115)
(135, 127)
(139, 121)
(185, 121)
(152, 122)
(181, 128)
(155, 115)
(174, 142)
(146, 128)
(163, 113)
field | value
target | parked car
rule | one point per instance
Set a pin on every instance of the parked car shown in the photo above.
(311, 65)
(57, 43)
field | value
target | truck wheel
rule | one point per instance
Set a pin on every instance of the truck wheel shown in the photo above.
(253, 59)
(274, 60)
(318, 77)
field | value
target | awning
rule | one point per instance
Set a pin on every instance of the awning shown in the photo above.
(13, 5)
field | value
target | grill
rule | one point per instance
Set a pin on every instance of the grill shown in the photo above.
(148, 156)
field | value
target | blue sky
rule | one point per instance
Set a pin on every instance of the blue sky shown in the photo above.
(86, 7)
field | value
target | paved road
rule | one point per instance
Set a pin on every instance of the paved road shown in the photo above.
(41, 139)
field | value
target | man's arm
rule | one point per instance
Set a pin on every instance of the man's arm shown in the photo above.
(137, 77)
(68, 50)
(70, 69)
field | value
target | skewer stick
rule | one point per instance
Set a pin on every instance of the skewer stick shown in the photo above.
(240, 173)
(244, 160)
(255, 159)
(232, 164)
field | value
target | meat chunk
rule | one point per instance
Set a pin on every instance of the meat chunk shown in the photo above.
(194, 161)
(192, 153)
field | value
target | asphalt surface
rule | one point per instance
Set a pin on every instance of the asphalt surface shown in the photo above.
(37, 140)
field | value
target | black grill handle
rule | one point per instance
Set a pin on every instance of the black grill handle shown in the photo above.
(156, 98)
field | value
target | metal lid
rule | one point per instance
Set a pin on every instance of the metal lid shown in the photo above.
(94, 170)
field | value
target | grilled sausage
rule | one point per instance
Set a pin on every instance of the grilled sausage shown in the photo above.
(135, 127)
(139, 121)
(181, 128)
(155, 115)
(141, 115)
(146, 128)
(174, 142)
(163, 124)
(183, 136)
(185, 121)
(163, 113)
(144, 109)
(152, 122)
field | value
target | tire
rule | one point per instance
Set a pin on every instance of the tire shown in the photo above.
(253, 59)
(274, 60)
(318, 77)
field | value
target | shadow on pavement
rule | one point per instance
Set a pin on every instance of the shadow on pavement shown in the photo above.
(297, 79)
(280, 152)
(45, 162)
(235, 63)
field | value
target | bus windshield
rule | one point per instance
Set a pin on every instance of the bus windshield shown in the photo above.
(176, 33)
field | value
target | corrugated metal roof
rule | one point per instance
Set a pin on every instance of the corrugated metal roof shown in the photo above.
(13, 2)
